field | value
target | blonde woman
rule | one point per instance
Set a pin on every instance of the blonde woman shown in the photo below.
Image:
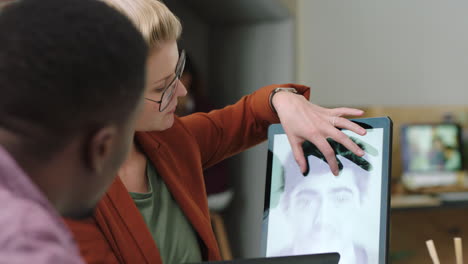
(156, 210)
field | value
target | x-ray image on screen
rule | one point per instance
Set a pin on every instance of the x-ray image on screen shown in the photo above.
(319, 212)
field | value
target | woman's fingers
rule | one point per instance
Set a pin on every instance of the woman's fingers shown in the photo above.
(347, 124)
(346, 111)
(303, 120)
(322, 144)
(344, 140)
(299, 157)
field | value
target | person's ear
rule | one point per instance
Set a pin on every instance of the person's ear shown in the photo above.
(100, 147)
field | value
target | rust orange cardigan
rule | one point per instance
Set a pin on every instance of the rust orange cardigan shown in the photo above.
(118, 234)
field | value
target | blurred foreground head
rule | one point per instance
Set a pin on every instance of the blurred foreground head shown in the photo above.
(72, 75)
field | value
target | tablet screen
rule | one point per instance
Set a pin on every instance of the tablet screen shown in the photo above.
(320, 212)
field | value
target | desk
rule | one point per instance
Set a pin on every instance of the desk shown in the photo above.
(424, 202)
(411, 226)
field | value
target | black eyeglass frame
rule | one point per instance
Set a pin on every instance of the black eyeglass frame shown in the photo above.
(174, 83)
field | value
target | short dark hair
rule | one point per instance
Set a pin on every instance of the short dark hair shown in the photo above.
(310, 149)
(66, 66)
(361, 170)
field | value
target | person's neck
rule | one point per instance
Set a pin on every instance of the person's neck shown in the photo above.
(133, 171)
(134, 155)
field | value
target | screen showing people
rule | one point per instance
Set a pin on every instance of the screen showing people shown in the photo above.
(429, 148)
(317, 212)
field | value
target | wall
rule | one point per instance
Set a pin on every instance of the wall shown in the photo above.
(195, 36)
(396, 55)
(236, 57)
(367, 52)
(248, 57)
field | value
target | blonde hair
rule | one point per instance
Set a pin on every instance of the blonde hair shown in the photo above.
(152, 18)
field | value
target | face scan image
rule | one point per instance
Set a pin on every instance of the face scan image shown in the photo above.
(320, 212)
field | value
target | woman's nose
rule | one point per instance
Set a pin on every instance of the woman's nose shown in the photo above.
(181, 90)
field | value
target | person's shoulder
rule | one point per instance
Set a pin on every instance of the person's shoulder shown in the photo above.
(29, 232)
(178, 134)
(178, 130)
(23, 218)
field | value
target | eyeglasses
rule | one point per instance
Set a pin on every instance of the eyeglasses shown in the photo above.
(170, 89)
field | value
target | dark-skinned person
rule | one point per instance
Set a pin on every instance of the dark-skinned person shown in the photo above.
(72, 74)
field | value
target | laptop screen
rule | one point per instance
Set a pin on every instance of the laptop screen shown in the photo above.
(319, 212)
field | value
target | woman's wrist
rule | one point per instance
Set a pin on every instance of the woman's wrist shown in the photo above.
(278, 95)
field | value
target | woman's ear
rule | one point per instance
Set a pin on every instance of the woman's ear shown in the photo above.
(100, 147)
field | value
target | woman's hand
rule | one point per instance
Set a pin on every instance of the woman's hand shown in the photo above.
(303, 121)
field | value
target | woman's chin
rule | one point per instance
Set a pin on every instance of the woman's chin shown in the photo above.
(162, 125)
(169, 123)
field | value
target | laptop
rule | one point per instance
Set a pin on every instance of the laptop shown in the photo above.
(317, 212)
(329, 258)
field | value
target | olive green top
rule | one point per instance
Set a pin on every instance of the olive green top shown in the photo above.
(175, 237)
